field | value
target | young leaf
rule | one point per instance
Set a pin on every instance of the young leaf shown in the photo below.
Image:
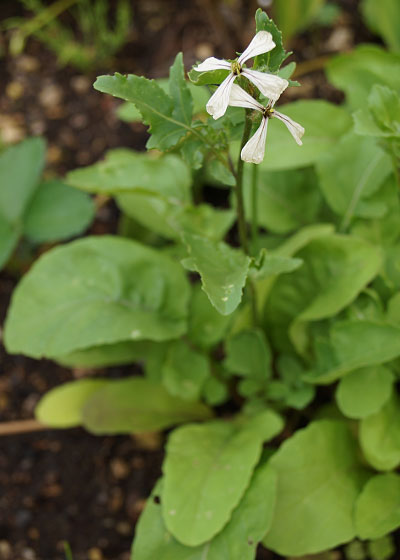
(179, 92)
(57, 212)
(364, 392)
(154, 104)
(380, 436)
(98, 290)
(62, 406)
(223, 270)
(207, 470)
(319, 478)
(138, 405)
(377, 510)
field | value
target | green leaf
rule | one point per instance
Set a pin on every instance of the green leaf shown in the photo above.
(382, 118)
(223, 270)
(273, 59)
(179, 92)
(62, 407)
(350, 173)
(20, 170)
(220, 173)
(358, 71)
(237, 541)
(98, 290)
(248, 354)
(268, 265)
(286, 200)
(206, 325)
(380, 436)
(296, 15)
(154, 104)
(378, 506)
(207, 470)
(364, 391)
(215, 77)
(324, 124)
(138, 405)
(185, 371)
(126, 171)
(9, 235)
(384, 19)
(382, 549)
(106, 355)
(57, 212)
(319, 479)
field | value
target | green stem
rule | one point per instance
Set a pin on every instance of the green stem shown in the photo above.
(254, 217)
(239, 187)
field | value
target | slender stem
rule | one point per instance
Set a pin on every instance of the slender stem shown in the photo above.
(239, 187)
(254, 217)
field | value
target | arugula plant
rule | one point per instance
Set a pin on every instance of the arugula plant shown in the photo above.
(242, 317)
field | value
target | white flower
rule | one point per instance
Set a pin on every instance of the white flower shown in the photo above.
(270, 85)
(253, 151)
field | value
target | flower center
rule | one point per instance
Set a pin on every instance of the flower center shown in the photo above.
(236, 67)
(268, 112)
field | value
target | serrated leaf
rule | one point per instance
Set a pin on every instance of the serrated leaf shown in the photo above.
(223, 270)
(154, 104)
(179, 92)
(57, 212)
(364, 392)
(315, 486)
(62, 406)
(98, 290)
(207, 469)
(138, 405)
(273, 59)
(377, 510)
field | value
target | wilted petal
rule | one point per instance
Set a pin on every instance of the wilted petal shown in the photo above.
(261, 43)
(212, 63)
(270, 85)
(240, 98)
(295, 129)
(254, 150)
(219, 101)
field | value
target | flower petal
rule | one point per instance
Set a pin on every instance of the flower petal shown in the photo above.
(261, 43)
(218, 102)
(212, 63)
(295, 129)
(240, 98)
(270, 85)
(254, 150)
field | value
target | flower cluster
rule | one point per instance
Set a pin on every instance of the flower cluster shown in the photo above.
(270, 85)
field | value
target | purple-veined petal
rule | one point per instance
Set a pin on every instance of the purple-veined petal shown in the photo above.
(261, 43)
(270, 85)
(240, 98)
(254, 150)
(295, 129)
(212, 63)
(218, 102)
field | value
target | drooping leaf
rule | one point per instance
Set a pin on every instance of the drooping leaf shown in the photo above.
(378, 506)
(296, 15)
(380, 436)
(364, 392)
(319, 479)
(98, 290)
(207, 469)
(57, 212)
(138, 405)
(223, 270)
(62, 406)
(384, 19)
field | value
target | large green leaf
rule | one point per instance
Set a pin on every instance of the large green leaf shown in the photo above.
(206, 325)
(57, 212)
(378, 506)
(137, 405)
(126, 171)
(364, 391)
(358, 71)
(384, 19)
(207, 470)
(62, 407)
(98, 290)
(319, 479)
(350, 173)
(106, 355)
(237, 541)
(156, 107)
(324, 124)
(295, 15)
(223, 270)
(380, 436)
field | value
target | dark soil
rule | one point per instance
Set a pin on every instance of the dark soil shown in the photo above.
(68, 485)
